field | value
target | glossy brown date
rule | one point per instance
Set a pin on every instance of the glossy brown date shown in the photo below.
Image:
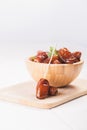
(65, 56)
(55, 60)
(53, 91)
(77, 54)
(43, 89)
(47, 60)
(40, 57)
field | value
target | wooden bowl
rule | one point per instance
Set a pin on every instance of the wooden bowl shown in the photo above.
(58, 75)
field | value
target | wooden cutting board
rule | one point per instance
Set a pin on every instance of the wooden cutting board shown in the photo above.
(24, 93)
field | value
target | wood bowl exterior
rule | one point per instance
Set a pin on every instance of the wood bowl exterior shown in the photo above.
(58, 75)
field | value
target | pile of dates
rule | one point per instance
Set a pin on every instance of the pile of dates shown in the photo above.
(61, 56)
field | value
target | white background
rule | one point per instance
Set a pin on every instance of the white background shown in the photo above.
(43, 21)
(25, 27)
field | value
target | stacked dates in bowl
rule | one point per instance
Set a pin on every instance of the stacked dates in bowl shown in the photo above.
(61, 56)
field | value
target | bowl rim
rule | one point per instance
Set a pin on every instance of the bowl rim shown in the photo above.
(77, 63)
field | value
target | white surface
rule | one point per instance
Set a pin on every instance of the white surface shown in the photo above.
(18, 117)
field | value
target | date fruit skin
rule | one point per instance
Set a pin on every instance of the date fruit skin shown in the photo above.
(53, 91)
(40, 57)
(66, 57)
(55, 60)
(42, 89)
(47, 60)
(64, 54)
(77, 54)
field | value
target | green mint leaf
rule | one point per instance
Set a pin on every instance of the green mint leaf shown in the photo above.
(51, 50)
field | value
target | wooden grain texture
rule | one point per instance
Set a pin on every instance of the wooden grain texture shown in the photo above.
(58, 75)
(24, 93)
